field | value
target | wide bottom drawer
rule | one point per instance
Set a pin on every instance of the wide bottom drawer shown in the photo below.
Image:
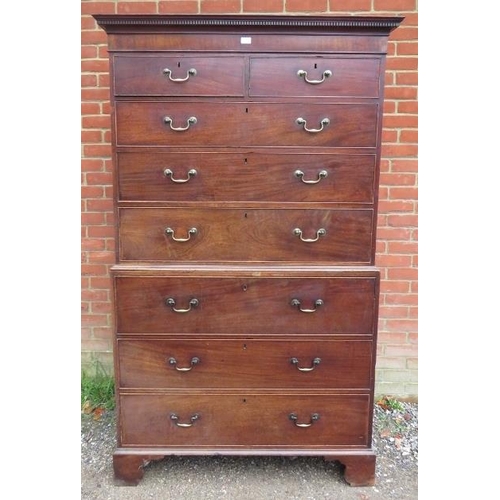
(239, 419)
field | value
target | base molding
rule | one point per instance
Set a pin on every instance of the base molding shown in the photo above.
(129, 463)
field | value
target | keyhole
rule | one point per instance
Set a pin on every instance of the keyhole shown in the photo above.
(246, 161)
(246, 215)
(244, 346)
(315, 66)
(178, 64)
(245, 288)
(246, 110)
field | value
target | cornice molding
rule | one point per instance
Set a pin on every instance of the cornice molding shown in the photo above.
(113, 22)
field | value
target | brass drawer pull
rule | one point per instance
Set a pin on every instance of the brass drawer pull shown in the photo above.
(168, 72)
(168, 173)
(320, 232)
(193, 419)
(170, 232)
(294, 418)
(317, 303)
(194, 361)
(300, 175)
(324, 122)
(190, 120)
(303, 73)
(315, 363)
(170, 302)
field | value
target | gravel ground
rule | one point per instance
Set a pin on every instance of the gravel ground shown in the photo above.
(257, 478)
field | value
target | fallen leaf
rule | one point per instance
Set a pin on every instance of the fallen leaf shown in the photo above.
(98, 413)
(87, 408)
(385, 433)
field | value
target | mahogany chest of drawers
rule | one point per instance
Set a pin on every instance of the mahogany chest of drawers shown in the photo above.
(246, 153)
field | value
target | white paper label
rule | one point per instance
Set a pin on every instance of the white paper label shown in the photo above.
(246, 40)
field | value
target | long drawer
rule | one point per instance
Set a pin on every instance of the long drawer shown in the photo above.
(228, 235)
(164, 75)
(227, 420)
(207, 363)
(264, 306)
(314, 76)
(209, 176)
(195, 123)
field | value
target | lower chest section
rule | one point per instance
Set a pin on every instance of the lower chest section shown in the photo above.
(262, 359)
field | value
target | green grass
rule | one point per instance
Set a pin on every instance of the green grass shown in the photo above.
(97, 391)
(390, 403)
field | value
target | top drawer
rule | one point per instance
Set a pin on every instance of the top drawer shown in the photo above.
(178, 76)
(314, 77)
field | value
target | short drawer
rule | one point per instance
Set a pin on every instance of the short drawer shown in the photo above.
(314, 77)
(221, 176)
(216, 420)
(179, 123)
(207, 363)
(156, 75)
(237, 235)
(229, 306)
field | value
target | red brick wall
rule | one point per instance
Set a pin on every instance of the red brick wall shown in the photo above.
(397, 223)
